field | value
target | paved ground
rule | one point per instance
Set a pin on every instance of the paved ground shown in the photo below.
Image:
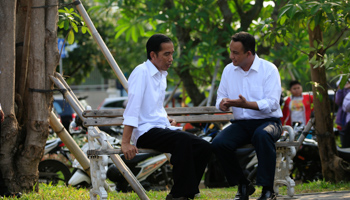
(318, 196)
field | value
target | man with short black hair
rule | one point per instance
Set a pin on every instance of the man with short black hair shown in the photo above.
(147, 124)
(251, 87)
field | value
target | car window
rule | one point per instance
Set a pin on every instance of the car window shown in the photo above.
(115, 104)
(57, 107)
(63, 106)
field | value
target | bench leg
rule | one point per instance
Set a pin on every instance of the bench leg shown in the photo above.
(98, 166)
(98, 176)
(284, 165)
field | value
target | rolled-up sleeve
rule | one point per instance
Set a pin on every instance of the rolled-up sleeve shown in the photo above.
(135, 96)
(272, 93)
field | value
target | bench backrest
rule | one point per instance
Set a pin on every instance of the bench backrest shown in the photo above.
(113, 117)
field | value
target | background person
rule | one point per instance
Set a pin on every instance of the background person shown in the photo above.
(146, 122)
(343, 116)
(250, 86)
(298, 106)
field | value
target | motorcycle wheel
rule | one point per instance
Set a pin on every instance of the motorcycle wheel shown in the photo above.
(53, 171)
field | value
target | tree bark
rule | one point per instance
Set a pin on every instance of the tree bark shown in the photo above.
(9, 128)
(334, 169)
(22, 141)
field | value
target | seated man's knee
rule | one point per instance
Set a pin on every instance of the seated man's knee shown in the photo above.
(216, 145)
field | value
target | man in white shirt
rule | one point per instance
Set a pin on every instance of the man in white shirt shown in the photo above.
(251, 87)
(147, 124)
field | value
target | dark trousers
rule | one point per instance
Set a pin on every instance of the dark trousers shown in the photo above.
(189, 157)
(345, 136)
(263, 134)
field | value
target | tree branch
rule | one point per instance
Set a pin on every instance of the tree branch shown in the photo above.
(337, 39)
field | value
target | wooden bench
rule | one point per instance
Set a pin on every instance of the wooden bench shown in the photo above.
(285, 150)
(114, 117)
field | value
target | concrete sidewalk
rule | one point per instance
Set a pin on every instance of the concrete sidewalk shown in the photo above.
(317, 196)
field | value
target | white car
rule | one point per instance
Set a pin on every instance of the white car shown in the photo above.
(113, 103)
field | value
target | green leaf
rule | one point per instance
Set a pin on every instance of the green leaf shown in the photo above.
(75, 27)
(70, 37)
(283, 19)
(284, 10)
(312, 24)
(121, 31)
(315, 8)
(134, 34)
(61, 24)
(83, 29)
(61, 11)
(66, 25)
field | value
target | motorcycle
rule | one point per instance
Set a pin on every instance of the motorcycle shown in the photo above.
(153, 171)
(52, 170)
(307, 163)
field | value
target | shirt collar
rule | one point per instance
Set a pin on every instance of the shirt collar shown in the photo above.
(153, 69)
(255, 66)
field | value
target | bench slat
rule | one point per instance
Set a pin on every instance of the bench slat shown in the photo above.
(117, 151)
(180, 119)
(287, 144)
(170, 111)
(202, 118)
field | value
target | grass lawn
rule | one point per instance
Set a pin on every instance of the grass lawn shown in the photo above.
(63, 192)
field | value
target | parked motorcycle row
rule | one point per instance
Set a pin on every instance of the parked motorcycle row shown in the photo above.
(154, 172)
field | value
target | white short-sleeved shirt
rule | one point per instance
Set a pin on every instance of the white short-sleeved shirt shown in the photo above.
(146, 94)
(261, 84)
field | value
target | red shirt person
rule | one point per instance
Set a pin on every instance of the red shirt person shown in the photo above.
(298, 106)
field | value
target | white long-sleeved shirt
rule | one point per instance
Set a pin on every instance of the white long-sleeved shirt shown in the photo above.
(146, 94)
(260, 84)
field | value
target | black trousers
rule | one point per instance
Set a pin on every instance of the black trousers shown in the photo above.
(263, 134)
(189, 157)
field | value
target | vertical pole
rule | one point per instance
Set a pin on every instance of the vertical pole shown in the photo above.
(101, 44)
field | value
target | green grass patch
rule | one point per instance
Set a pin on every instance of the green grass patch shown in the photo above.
(47, 191)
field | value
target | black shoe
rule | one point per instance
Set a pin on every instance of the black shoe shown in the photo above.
(244, 191)
(267, 195)
(170, 197)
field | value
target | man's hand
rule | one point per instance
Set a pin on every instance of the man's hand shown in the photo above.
(2, 116)
(172, 121)
(129, 150)
(241, 103)
(224, 104)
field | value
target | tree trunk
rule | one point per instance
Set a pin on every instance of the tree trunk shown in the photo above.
(25, 129)
(333, 167)
(9, 128)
